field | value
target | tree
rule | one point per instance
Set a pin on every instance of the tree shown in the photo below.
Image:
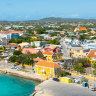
(94, 65)
(94, 71)
(13, 58)
(12, 41)
(88, 30)
(17, 52)
(55, 41)
(65, 65)
(78, 67)
(3, 49)
(41, 31)
(24, 58)
(83, 37)
(79, 64)
(61, 73)
(85, 62)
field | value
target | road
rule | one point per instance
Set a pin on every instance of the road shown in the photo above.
(53, 88)
(90, 81)
(65, 50)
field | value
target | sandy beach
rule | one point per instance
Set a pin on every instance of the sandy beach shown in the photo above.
(6, 69)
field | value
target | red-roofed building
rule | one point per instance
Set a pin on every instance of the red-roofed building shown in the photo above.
(37, 59)
(50, 56)
(7, 32)
(62, 32)
(53, 49)
(11, 46)
(11, 34)
(92, 54)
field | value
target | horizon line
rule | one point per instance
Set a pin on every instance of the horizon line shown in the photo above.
(46, 18)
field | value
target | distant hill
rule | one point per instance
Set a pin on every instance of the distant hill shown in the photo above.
(58, 19)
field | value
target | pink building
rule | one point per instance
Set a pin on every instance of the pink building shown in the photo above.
(30, 51)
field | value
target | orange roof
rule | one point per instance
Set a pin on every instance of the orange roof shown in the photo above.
(92, 53)
(54, 36)
(76, 28)
(12, 43)
(16, 31)
(48, 64)
(37, 59)
(83, 29)
(62, 32)
(24, 42)
(48, 53)
(0, 41)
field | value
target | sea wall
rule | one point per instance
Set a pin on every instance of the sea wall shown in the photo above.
(42, 89)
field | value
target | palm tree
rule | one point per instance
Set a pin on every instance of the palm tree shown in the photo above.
(3, 49)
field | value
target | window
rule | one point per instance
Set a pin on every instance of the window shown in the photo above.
(39, 67)
(51, 70)
(47, 69)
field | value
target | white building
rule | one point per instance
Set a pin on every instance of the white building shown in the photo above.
(36, 43)
(11, 34)
(67, 40)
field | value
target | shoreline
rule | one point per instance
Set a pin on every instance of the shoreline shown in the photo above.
(6, 69)
(30, 76)
(21, 76)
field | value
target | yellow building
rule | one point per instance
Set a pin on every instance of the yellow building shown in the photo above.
(79, 28)
(79, 53)
(50, 56)
(92, 56)
(47, 69)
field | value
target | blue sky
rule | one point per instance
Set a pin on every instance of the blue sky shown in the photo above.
(37, 9)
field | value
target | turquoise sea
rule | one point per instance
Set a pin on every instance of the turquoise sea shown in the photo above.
(15, 86)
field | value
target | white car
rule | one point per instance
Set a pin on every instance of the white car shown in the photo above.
(80, 76)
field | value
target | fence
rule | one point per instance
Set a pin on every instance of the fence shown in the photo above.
(78, 74)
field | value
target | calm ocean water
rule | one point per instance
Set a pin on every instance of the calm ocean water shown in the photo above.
(14, 86)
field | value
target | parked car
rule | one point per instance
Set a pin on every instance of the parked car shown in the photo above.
(67, 73)
(81, 76)
(56, 79)
(18, 69)
(75, 80)
(13, 67)
(93, 89)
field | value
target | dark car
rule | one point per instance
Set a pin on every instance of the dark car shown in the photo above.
(56, 79)
(93, 89)
(67, 73)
